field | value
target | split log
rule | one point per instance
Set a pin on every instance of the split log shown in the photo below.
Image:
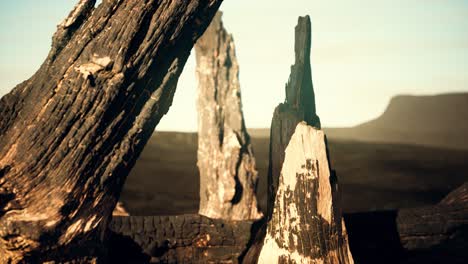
(304, 215)
(228, 177)
(177, 239)
(70, 134)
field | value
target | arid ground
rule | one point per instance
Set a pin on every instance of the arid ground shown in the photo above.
(374, 174)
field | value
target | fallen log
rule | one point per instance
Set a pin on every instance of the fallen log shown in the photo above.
(226, 163)
(70, 134)
(430, 234)
(177, 239)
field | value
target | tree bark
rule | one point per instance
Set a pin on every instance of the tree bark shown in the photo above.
(304, 222)
(228, 177)
(70, 134)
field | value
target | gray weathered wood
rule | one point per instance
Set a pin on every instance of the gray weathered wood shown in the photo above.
(226, 163)
(70, 134)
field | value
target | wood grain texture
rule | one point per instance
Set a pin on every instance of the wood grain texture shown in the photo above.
(303, 222)
(228, 177)
(299, 106)
(178, 239)
(70, 134)
(306, 225)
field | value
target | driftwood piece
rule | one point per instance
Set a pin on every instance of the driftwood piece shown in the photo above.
(70, 134)
(304, 223)
(228, 177)
(430, 234)
(177, 239)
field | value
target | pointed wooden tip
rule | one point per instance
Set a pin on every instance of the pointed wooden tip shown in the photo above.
(303, 39)
(299, 89)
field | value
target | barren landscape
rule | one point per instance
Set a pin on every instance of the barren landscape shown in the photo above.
(87, 177)
(373, 175)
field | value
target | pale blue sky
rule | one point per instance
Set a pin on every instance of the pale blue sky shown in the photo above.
(363, 53)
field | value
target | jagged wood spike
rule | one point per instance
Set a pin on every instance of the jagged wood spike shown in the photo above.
(299, 106)
(70, 134)
(226, 163)
(304, 222)
(306, 225)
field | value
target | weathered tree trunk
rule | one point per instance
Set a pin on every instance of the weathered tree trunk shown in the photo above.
(70, 134)
(304, 215)
(178, 239)
(228, 177)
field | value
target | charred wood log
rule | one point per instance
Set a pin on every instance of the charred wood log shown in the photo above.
(228, 177)
(70, 134)
(304, 222)
(430, 234)
(177, 239)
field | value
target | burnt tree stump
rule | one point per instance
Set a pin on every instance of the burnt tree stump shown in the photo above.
(304, 221)
(70, 134)
(226, 163)
(306, 225)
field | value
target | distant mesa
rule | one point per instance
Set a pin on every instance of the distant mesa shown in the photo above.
(436, 121)
(439, 121)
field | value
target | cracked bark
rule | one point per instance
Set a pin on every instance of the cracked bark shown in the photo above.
(304, 222)
(70, 134)
(177, 239)
(228, 177)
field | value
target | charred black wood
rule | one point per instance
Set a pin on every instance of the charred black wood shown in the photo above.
(70, 134)
(177, 239)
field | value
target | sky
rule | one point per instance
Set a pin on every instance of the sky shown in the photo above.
(364, 52)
